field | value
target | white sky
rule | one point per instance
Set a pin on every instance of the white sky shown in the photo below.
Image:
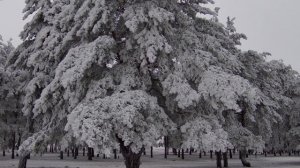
(270, 25)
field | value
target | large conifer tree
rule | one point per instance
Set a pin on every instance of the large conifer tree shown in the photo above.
(130, 71)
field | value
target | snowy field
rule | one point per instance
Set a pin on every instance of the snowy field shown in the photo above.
(191, 161)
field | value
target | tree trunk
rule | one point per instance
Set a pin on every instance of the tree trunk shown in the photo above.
(3, 153)
(83, 151)
(200, 154)
(211, 154)
(68, 152)
(178, 153)
(19, 140)
(174, 150)
(191, 151)
(115, 153)
(219, 159)
(265, 153)
(225, 159)
(75, 152)
(13, 145)
(90, 154)
(151, 152)
(243, 153)
(23, 161)
(230, 153)
(166, 146)
(182, 154)
(132, 160)
(61, 155)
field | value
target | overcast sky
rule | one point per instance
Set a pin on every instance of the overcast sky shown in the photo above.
(270, 25)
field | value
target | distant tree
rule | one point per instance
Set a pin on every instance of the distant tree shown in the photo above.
(10, 101)
(5, 49)
(293, 134)
(276, 81)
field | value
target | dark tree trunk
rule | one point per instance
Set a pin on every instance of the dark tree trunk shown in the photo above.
(61, 156)
(174, 150)
(19, 141)
(13, 152)
(46, 149)
(76, 151)
(225, 159)
(55, 147)
(23, 161)
(3, 153)
(265, 153)
(51, 148)
(68, 152)
(132, 160)
(103, 157)
(13, 145)
(243, 153)
(144, 152)
(151, 152)
(204, 153)
(182, 154)
(115, 153)
(73, 152)
(219, 159)
(178, 153)
(211, 154)
(200, 154)
(230, 153)
(83, 151)
(191, 151)
(89, 154)
(166, 146)
(93, 152)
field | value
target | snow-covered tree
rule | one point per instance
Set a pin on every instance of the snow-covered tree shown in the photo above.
(276, 81)
(293, 134)
(129, 71)
(10, 108)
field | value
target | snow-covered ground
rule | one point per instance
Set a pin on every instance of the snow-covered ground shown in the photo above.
(52, 161)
